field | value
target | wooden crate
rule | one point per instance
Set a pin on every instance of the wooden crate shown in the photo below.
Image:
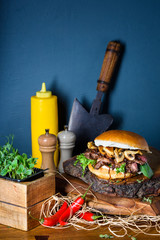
(17, 199)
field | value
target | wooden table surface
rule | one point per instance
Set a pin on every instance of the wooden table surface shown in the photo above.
(42, 233)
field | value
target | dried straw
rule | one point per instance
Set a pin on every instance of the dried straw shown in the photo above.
(118, 225)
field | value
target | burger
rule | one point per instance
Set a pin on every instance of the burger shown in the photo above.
(116, 154)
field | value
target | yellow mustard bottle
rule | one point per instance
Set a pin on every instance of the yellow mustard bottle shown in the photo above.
(44, 115)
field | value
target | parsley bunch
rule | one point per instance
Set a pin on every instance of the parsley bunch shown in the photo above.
(13, 164)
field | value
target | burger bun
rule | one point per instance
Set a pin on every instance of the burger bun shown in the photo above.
(107, 173)
(122, 139)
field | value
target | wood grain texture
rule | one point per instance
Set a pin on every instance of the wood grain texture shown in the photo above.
(66, 234)
(26, 194)
(109, 64)
(18, 217)
(10, 192)
(17, 199)
(40, 189)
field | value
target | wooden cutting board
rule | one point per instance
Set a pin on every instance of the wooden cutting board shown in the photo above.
(67, 184)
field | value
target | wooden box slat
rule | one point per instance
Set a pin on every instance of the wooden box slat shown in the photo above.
(26, 194)
(17, 199)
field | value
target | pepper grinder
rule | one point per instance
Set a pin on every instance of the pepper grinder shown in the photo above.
(67, 143)
(47, 146)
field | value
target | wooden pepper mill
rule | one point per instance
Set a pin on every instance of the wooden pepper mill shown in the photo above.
(47, 146)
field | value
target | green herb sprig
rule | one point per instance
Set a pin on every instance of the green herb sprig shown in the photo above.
(106, 236)
(84, 162)
(148, 199)
(132, 238)
(121, 169)
(13, 164)
(139, 180)
(117, 181)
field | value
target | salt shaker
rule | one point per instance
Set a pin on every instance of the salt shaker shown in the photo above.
(47, 146)
(66, 143)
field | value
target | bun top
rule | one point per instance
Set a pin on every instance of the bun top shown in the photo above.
(122, 139)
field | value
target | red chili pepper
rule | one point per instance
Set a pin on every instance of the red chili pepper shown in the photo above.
(88, 216)
(53, 220)
(72, 209)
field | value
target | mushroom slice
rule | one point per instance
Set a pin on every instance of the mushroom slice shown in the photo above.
(119, 156)
(130, 155)
(91, 145)
(109, 151)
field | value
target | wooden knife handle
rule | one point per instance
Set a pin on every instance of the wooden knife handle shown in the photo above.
(109, 64)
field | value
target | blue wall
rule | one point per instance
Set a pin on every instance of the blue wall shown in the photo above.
(62, 42)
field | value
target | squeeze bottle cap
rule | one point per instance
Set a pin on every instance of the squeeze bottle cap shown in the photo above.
(43, 93)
